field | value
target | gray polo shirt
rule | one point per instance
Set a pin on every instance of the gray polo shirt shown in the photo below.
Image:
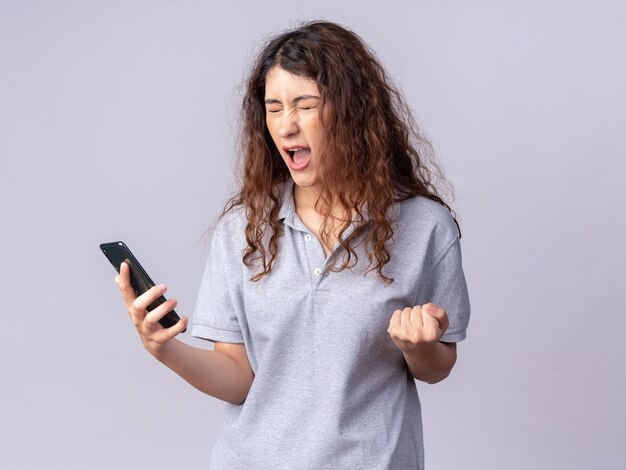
(331, 390)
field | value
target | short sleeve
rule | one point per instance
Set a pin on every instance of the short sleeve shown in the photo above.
(218, 305)
(446, 286)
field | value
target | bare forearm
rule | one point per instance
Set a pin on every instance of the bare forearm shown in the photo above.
(211, 372)
(432, 364)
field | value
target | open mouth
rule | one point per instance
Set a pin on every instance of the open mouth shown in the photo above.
(299, 157)
(299, 154)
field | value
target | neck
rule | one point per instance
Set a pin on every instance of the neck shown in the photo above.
(306, 197)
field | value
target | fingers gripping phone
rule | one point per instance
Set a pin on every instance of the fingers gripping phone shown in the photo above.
(118, 252)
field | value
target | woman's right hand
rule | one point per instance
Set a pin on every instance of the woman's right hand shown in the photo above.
(153, 336)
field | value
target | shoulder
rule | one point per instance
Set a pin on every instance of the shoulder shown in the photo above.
(425, 223)
(228, 234)
(422, 213)
(232, 222)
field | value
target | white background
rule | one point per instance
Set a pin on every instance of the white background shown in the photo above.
(117, 121)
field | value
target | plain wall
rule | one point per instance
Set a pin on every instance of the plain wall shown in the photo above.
(117, 121)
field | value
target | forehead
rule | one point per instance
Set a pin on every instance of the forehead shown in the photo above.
(280, 83)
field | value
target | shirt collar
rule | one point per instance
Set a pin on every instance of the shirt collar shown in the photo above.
(287, 205)
(287, 211)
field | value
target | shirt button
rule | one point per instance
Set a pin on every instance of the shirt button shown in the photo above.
(307, 237)
(317, 271)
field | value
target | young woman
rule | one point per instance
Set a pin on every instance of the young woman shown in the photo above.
(334, 277)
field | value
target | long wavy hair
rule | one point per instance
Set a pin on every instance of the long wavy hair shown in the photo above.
(373, 154)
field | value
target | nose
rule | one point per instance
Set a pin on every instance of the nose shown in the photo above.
(288, 125)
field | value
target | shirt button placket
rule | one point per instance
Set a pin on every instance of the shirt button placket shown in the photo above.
(317, 271)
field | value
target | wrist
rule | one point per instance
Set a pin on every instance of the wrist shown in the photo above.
(162, 352)
(420, 350)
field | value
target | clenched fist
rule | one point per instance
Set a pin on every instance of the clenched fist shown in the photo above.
(416, 329)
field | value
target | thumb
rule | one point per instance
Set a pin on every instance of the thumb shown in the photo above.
(437, 313)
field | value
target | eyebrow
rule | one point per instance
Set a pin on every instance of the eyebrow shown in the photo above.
(294, 101)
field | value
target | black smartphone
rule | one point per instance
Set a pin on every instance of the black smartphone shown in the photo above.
(118, 252)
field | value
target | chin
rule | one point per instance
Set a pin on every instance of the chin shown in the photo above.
(303, 181)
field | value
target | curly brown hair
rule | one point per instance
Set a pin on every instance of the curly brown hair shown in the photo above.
(370, 157)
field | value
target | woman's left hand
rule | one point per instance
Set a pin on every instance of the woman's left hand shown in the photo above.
(417, 329)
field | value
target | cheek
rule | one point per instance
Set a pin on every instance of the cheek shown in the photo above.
(317, 136)
(275, 140)
(313, 129)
